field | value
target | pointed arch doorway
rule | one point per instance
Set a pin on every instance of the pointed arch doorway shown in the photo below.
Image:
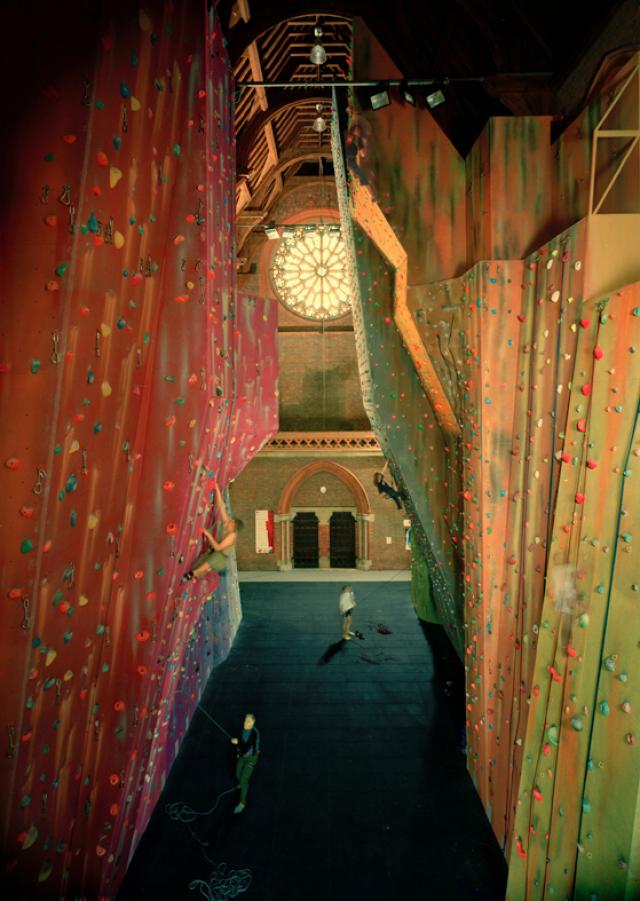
(363, 517)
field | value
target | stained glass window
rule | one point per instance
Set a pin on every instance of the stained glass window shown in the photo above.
(309, 272)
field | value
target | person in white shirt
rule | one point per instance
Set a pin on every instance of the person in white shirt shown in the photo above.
(346, 604)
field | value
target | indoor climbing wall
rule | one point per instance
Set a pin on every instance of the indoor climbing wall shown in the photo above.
(537, 362)
(421, 456)
(133, 379)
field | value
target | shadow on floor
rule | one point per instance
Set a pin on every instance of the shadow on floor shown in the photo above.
(360, 792)
(331, 652)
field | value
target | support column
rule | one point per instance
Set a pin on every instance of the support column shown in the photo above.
(284, 561)
(324, 516)
(363, 539)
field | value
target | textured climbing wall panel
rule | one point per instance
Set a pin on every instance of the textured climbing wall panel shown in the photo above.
(503, 339)
(401, 415)
(131, 378)
(423, 455)
(578, 798)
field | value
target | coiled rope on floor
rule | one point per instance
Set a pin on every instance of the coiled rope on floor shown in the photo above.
(222, 883)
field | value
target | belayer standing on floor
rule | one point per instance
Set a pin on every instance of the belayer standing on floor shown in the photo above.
(385, 488)
(216, 559)
(346, 604)
(247, 749)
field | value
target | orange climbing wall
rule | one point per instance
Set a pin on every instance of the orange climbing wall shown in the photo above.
(131, 377)
(538, 362)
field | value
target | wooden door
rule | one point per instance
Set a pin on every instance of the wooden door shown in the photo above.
(342, 538)
(305, 541)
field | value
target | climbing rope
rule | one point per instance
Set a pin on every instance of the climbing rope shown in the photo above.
(222, 883)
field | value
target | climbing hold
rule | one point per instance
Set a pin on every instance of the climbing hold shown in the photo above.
(26, 546)
(29, 838)
(115, 175)
(101, 158)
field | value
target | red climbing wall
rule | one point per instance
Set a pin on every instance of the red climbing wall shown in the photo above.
(131, 378)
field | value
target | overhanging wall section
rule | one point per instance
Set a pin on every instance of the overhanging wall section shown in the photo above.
(130, 379)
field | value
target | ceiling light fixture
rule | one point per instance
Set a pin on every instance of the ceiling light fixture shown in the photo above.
(319, 123)
(318, 55)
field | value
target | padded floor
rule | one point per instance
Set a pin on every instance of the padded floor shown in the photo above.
(361, 790)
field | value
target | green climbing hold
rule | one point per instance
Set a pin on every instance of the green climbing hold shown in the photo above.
(577, 723)
(604, 708)
(61, 268)
(177, 150)
(26, 546)
(35, 366)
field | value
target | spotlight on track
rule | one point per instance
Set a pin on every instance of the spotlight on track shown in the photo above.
(436, 96)
(318, 55)
(380, 98)
(271, 231)
(408, 94)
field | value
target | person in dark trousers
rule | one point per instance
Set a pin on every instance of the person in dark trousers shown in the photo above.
(247, 749)
(384, 488)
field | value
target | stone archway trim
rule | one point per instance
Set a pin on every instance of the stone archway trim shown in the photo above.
(341, 472)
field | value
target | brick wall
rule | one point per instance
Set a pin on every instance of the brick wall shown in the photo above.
(318, 382)
(260, 485)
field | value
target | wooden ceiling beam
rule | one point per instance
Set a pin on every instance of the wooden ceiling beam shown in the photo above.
(280, 100)
(244, 196)
(256, 74)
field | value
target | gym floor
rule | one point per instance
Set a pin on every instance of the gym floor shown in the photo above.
(361, 789)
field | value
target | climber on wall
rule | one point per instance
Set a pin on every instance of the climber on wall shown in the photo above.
(384, 488)
(216, 559)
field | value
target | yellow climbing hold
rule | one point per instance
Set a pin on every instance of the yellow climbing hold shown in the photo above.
(118, 239)
(105, 330)
(30, 838)
(135, 104)
(75, 446)
(51, 656)
(45, 871)
(144, 20)
(68, 675)
(106, 389)
(192, 423)
(92, 521)
(83, 600)
(115, 175)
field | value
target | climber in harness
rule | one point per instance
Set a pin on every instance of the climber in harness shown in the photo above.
(386, 489)
(217, 557)
(247, 749)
